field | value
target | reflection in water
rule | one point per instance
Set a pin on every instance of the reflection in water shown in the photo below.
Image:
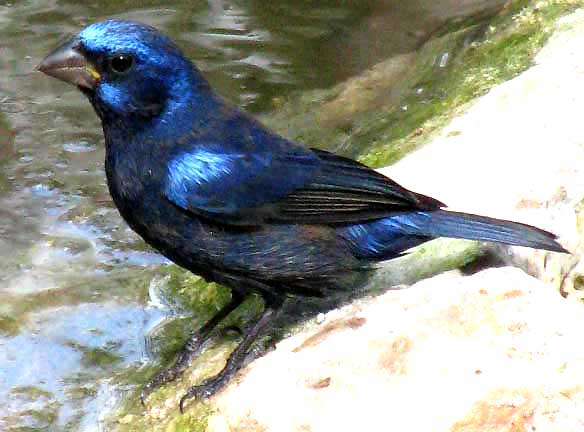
(73, 277)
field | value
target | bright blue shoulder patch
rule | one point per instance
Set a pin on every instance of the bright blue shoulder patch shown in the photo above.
(210, 180)
(190, 172)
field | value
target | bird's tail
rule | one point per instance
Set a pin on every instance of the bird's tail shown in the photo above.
(444, 223)
(388, 237)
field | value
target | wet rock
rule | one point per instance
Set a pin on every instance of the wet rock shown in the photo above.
(377, 87)
(401, 27)
(7, 136)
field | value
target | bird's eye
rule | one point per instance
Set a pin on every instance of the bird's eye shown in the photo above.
(121, 63)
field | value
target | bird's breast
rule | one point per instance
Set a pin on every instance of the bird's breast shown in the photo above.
(127, 180)
(136, 189)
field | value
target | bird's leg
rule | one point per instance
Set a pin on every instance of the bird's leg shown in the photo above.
(193, 347)
(237, 359)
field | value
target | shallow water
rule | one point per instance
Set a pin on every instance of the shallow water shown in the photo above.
(78, 287)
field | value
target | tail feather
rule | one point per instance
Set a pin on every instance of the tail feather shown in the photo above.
(444, 223)
(389, 237)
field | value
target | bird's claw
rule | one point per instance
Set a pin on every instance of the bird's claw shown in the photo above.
(163, 377)
(146, 391)
(202, 391)
(233, 328)
(150, 387)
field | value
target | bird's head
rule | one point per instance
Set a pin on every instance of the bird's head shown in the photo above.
(127, 69)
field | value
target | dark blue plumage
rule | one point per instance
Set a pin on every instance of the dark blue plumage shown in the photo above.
(219, 194)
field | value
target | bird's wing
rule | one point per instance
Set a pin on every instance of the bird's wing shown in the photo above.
(344, 190)
(296, 185)
(236, 187)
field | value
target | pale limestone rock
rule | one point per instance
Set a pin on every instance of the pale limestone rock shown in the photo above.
(496, 351)
(518, 153)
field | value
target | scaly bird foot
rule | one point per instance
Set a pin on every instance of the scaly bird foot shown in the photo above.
(205, 390)
(192, 348)
(238, 357)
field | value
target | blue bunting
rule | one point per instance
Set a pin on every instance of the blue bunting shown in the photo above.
(219, 194)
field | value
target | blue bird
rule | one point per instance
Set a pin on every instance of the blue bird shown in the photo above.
(219, 194)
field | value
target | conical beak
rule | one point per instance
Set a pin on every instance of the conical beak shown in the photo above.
(67, 63)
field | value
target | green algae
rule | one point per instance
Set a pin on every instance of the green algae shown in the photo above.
(37, 419)
(84, 289)
(427, 260)
(193, 421)
(162, 411)
(99, 357)
(9, 326)
(188, 291)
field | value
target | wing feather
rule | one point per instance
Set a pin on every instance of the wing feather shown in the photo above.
(290, 184)
(346, 191)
